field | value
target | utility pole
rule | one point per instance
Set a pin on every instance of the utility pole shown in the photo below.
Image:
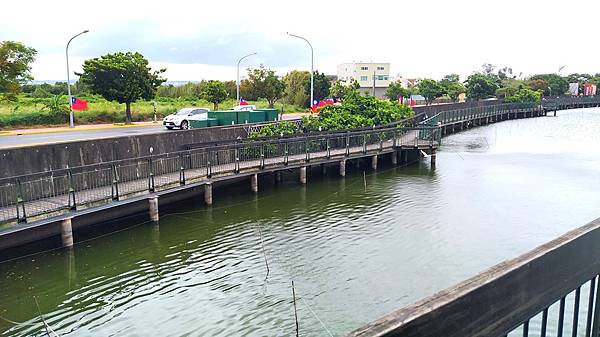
(312, 58)
(71, 122)
(238, 76)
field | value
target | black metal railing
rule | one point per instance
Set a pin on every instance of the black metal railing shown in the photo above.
(552, 290)
(38, 195)
(443, 118)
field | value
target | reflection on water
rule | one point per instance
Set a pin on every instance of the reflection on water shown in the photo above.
(354, 252)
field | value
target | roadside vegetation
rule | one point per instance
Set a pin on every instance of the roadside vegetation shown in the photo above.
(121, 88)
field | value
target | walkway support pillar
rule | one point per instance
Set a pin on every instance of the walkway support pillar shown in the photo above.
(343, 168)
(405, 156)
(324, 169)
(66, 232)
(433, 156)
(254, 183)
(153, 208)
(374, 162)
(277, 176)
(303, 175)
(208, 194)
(394, 157)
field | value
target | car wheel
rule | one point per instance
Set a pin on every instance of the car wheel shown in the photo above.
(185, 125)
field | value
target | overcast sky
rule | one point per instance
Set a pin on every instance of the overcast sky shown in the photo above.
(198, 40)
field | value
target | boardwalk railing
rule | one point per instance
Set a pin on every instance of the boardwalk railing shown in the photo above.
(40, 195)
(571, 102)
(444, 118)
(552, 290)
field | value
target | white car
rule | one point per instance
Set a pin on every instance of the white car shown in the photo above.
(182, 118)
(244, 108)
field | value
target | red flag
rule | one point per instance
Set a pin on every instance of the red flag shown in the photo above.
(78, 104)
(243, 102)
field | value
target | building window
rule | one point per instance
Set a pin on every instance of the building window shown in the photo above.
(364, 78)
(364, 68)
(382, 77)
(380, 68)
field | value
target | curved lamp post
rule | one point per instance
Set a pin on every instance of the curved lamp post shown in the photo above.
(71, 123)
(311, 67)
(238, 75)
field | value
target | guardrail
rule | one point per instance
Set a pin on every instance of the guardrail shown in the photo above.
(529, 295)
(570, 102)
(468, 114)
(46, 194)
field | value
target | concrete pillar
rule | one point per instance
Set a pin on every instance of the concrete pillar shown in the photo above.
(153, 208)
(374, 162)
(324, 169)
(208, 194)
(303, 175)
(343, 168)
(357, 163)
(254, 183)
(395, 157)
(278, 176)
(433, 155)
(405, 156)
(66, 232)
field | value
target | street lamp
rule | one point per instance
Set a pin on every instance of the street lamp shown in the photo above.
(71, 123)
(549, 88)
(238, 76)
(312, 55)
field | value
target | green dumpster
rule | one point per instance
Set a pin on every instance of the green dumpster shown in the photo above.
(257, 116)
(213, 122)
(224, 117)
(271, 114)
(243, 117)
(197, 124)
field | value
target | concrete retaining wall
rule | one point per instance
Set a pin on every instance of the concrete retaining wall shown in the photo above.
(42, 158)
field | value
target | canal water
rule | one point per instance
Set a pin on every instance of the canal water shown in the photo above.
(356, 248)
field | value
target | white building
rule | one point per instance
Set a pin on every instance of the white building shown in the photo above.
(368, 75)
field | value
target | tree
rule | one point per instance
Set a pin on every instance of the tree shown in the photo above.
(265, 84)
(480, 86)
(215, 92)
(395, 90)
(295, 92)
(430, 89)
(524, 95)
(340, 89)
(452, 86)
(15, 60)
(558, 85)
(321, 87)
(231, 87)
(122, 77)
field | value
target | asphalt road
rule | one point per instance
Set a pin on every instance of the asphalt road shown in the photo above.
(68, 136)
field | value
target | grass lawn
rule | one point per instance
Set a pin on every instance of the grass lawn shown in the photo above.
(28, 111)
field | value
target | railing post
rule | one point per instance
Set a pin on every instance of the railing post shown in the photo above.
(181, 169)
(285, 151)
(307, 157)
(237, 160)
(115, 183)
(21, 203)
(208, 165)
(150, 175)
(596, 324)
(395, 135)
(347, 145)
(262, 156)
(364, 143)
(72, 206)
(328, 148)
